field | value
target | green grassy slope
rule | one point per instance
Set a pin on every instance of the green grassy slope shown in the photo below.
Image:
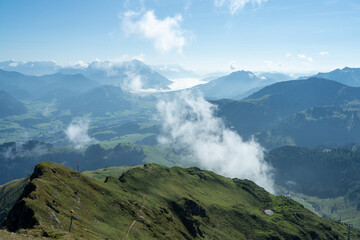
(102, 173)
(339, 208)
(156, 202)
(9, 194)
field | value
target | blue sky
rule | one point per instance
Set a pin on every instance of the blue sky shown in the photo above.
(203, 35)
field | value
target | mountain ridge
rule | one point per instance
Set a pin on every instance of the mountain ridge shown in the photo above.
(122, 74)
(232, 85)
(177, 211)
(348, 76)
(275, 105)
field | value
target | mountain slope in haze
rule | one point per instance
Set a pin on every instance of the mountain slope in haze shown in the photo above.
(17, 84)
(133, 75)
(107, 99)
(318, 126)
(9, 105)
(324, 173)
(347, 76)
(268, 78)
(292, 96)
(326, 178)
(23, 86)
(156, 202)
(232, 85)
(288, 98)
(275, 103)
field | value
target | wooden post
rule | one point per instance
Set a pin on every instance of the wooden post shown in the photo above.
(71, 219)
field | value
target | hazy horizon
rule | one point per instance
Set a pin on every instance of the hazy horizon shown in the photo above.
(204, 36)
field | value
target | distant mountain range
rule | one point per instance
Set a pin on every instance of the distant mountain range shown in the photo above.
(348, 76)
(241, 84)
(69, 82)
(236, 85)
(36, 68)
(133, 75)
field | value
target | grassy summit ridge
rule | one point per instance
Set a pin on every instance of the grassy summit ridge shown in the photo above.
(156, 202)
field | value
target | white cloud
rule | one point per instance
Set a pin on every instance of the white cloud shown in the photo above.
(288, 54)
(236, 5)
(234, 67)
(132, 82)
(183, 83)
(13, 64)
(303, 56)
(140, 57)
(190, 125)
(77, 133)
(324, 54)
(167, 34)
(263, 78)
(80, 64)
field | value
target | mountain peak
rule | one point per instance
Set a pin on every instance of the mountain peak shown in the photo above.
(240, 72)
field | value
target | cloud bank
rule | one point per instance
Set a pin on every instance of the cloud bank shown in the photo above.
(76, 132)
(303, 56)
(235, 6)
(189, 125)
(324, 54)
(166, 34)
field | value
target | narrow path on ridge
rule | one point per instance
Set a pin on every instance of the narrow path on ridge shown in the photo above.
(140, 216)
